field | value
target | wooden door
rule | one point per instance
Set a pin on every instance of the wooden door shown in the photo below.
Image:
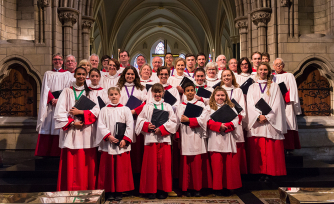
(314, 93)
(18, 93)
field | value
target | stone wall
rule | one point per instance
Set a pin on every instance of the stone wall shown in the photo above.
(25, 20)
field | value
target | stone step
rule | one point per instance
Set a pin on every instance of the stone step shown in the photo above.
(19, 185)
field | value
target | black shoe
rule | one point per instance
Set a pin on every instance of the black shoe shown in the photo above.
(110, 196)
(197, 194)
(226, 192)
(262, 179)
(187, 193)
(118, 196)
(268, 180)
(162, 195)
(151, 196)
(218, 193)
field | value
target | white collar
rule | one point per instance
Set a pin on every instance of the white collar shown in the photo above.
(114, 104)
(179, 77)
(244, 74)
(228, 88)
(196, 84)
(148, 80)
(192, 101)
(219, 105)
(211, 79)
(262, 81)
(129, 84)
(94, 87)
(112, 76)
(80, 88)
(157, 102)
(165, 85)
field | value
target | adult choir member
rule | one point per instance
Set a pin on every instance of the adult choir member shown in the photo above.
(233, 65)
(222, 146)
(195, 171)
(244, 71)
(94, 60)
(156, 174)
(265, 57)
(105, 63)
(70, 63)
(140, 61)
(221, 62)
(266, 132)
(53, 81)
(180, 65)
(86, 64)
(292, 105)
(256, 60)
(201, 60)
(115, 172)
(77, 167)
(145, 73)
(230, 85)
(111, 79)
(211, 70)
(124, 58)
(169, 62)
(190, 65)
(156, 63)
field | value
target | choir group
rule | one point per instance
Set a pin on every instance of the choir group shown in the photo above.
(205, 125)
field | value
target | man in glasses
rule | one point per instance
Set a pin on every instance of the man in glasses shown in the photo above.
(70, 63)
(105, 63)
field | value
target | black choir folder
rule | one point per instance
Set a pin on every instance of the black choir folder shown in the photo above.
(159, 117)
(148, 86)
(283, 88)
(84, 103)
(216, 85)
(169, 98)
(133, 102)
(56, 94)
(237, 107)
(245, 86)
(192, 111)
(101, 102)
(202, 92)
(263, 106)
(224, 114)
(184, 81)
(119, 132)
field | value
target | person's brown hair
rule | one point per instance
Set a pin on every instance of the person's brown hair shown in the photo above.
(162, 68)
(142, 67)
(122, 81)
(180, 59)
(212, 101)
(269, 77)
(266, 54)
(157, 87)
(234, 81)
(114, 88)
(116, 63)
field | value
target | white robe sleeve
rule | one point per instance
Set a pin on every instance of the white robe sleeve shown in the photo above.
(43, 100)
(171, 124)
(102, 129)
(129, 123)
(141, 119)
(62, 112)
(294, 94)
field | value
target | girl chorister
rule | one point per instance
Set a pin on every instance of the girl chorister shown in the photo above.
(222, 146)
(211, 70)
(129, 84)
(110, 79)
(156, 175)
(115, 172)
(195, 171)
(266, 132)
(230, 85)
(77, 167)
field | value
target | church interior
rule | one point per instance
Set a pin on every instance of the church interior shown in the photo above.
(299, 31)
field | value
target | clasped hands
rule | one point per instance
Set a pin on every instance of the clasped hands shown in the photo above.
(262, 119)
(74, 111)
(152, 127)
(112, 139)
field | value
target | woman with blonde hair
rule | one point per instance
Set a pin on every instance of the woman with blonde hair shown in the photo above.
(87, 65)
(110, 79)
(211, 70)
(145, 73)
(266, 132)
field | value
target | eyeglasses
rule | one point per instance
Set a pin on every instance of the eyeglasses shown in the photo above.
(244, 64)
(278, 65)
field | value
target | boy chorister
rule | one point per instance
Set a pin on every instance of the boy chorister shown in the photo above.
(222, 146)
(156, 175)
(195, 171)
(115, 172)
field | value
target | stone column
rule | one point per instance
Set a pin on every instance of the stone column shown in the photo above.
(260, 18)
(87, 23)
(68, 17)
(242, 25)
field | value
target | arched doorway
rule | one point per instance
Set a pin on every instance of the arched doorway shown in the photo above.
(18, 93)
(314, 92)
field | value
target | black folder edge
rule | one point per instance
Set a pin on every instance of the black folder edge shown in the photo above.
(216, 85)
(116, 130)
(283, 88)
(101, 102)
(243, 86)
(237, 106)
(152, 118)
(257, 106)
(187, 123)
(212, 116)
(174, 98)
(200, 89)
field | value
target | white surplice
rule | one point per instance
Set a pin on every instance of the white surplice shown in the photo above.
(108, 118)
(238, 96)
(293, 107)
(193, 139)
(176, 79)
(170, 89)
(148, 81)
(73, 138)
(140, 94)
(52, 81)
(276, 127)
(146, 116)
(108, 81)
(221, 141)
(242, 77)
(210, 82)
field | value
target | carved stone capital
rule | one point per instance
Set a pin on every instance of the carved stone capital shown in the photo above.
(285, 3)
(242, 24)
(261, 17)
(68, 16)
(87, 23)
(44, 3)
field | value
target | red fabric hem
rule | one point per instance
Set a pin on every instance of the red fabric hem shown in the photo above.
(50, 97)
(240, 119)
(67, 126)
(89, 117)
(139, 108)
(230, 127)
(47, 145)
(127, 139)
(163, 131)
(214, 126)
(106, 138)
(287, 97)
(145, 127)
(193, 123)
(291, 140)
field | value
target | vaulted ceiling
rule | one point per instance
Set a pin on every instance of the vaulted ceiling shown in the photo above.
(200, 25)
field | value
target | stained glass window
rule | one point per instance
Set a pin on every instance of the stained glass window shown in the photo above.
(182, 55)
(160, 49)
(135, 62)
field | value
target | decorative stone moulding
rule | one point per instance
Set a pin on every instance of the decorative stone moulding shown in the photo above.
(87, 22)
(261, 17)
(285, 3)
(241, 23)
(44, 3)
(68, 16)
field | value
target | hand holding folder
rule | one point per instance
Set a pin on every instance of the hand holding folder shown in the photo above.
(159, 117)
(84, 103)
(263, 106)
(224, 114)
(56, 94)
(184, 81)
(133, 102)
(192, 111)
(119, 132)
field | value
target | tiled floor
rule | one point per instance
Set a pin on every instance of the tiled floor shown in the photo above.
(265, 196)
